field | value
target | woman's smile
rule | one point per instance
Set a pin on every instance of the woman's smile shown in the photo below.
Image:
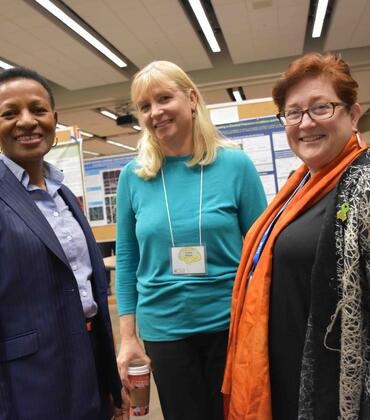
(29, 139)
(313, 138)
(162, 123)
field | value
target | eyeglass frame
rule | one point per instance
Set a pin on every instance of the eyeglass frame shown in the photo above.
(307, 111)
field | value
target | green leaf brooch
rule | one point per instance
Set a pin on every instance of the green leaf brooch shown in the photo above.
(342, 213)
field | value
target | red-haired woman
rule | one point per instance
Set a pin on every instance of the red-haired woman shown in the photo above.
(300, 333)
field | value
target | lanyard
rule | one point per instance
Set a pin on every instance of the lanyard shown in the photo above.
(265, 236)
(200, 206)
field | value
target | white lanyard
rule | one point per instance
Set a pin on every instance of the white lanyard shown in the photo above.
(200, 206)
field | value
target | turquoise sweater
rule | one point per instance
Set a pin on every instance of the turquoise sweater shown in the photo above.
(171, 307)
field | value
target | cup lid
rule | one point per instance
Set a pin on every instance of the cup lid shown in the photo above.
(138, 370)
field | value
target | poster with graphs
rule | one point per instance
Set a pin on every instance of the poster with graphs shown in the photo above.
(101, 179)
(263, 139)
(265, 142)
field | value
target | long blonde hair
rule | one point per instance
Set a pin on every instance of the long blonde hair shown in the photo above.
(205, 136)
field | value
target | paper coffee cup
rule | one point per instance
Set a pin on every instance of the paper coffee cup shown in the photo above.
(139, 377)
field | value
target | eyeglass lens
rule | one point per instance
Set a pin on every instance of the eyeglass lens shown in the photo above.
(320, 111)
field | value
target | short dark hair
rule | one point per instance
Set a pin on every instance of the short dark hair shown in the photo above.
(25, 73)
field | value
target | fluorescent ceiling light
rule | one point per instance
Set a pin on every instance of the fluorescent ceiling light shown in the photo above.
(258, 100)
(83, 33)
(62, 126)
(319, 18)
(114, 143)
(237, 95)
(136, 127)
(91, 153)
(86, 134)
(108, 114)
(5, 65)
(204, 24)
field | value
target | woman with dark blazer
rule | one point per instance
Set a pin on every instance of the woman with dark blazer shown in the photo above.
(57, 356)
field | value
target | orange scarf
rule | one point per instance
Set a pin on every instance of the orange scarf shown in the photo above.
(247, 378)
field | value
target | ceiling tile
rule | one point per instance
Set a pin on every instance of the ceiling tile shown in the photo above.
(145, 30)
(349, 26)
(261, 30)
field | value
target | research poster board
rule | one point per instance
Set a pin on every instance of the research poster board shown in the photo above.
(67, 156)
(263, 139)
(101, 179)
(265, 142)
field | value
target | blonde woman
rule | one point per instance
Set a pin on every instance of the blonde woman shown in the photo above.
(183, 207)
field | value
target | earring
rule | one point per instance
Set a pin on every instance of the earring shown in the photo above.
(55, 142)
(359, 140)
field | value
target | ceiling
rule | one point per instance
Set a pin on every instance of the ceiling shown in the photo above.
(258, 39)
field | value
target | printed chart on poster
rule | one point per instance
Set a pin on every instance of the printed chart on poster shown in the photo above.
(101, 179)
(265, 142)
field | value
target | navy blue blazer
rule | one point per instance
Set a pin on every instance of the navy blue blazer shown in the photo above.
(47, 366)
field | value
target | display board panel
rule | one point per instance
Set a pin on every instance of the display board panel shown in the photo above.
(101, 179)
(67, 158)
(265, 142)
(263, 139)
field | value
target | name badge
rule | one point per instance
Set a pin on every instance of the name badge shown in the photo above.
(188, 260)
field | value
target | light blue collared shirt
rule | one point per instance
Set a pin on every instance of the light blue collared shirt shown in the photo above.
(65, 226)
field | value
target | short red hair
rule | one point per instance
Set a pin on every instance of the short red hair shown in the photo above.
(313, 65)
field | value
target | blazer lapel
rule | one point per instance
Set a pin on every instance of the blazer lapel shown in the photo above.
(15, 196)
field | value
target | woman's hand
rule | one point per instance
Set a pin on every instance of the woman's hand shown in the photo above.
(123, 412)
(131, 349)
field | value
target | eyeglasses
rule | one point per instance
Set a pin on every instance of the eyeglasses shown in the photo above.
(317, 112)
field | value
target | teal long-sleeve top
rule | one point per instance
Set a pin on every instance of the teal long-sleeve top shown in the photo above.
(171, 307)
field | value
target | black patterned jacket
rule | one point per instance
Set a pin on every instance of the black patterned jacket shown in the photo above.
(335, 373)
